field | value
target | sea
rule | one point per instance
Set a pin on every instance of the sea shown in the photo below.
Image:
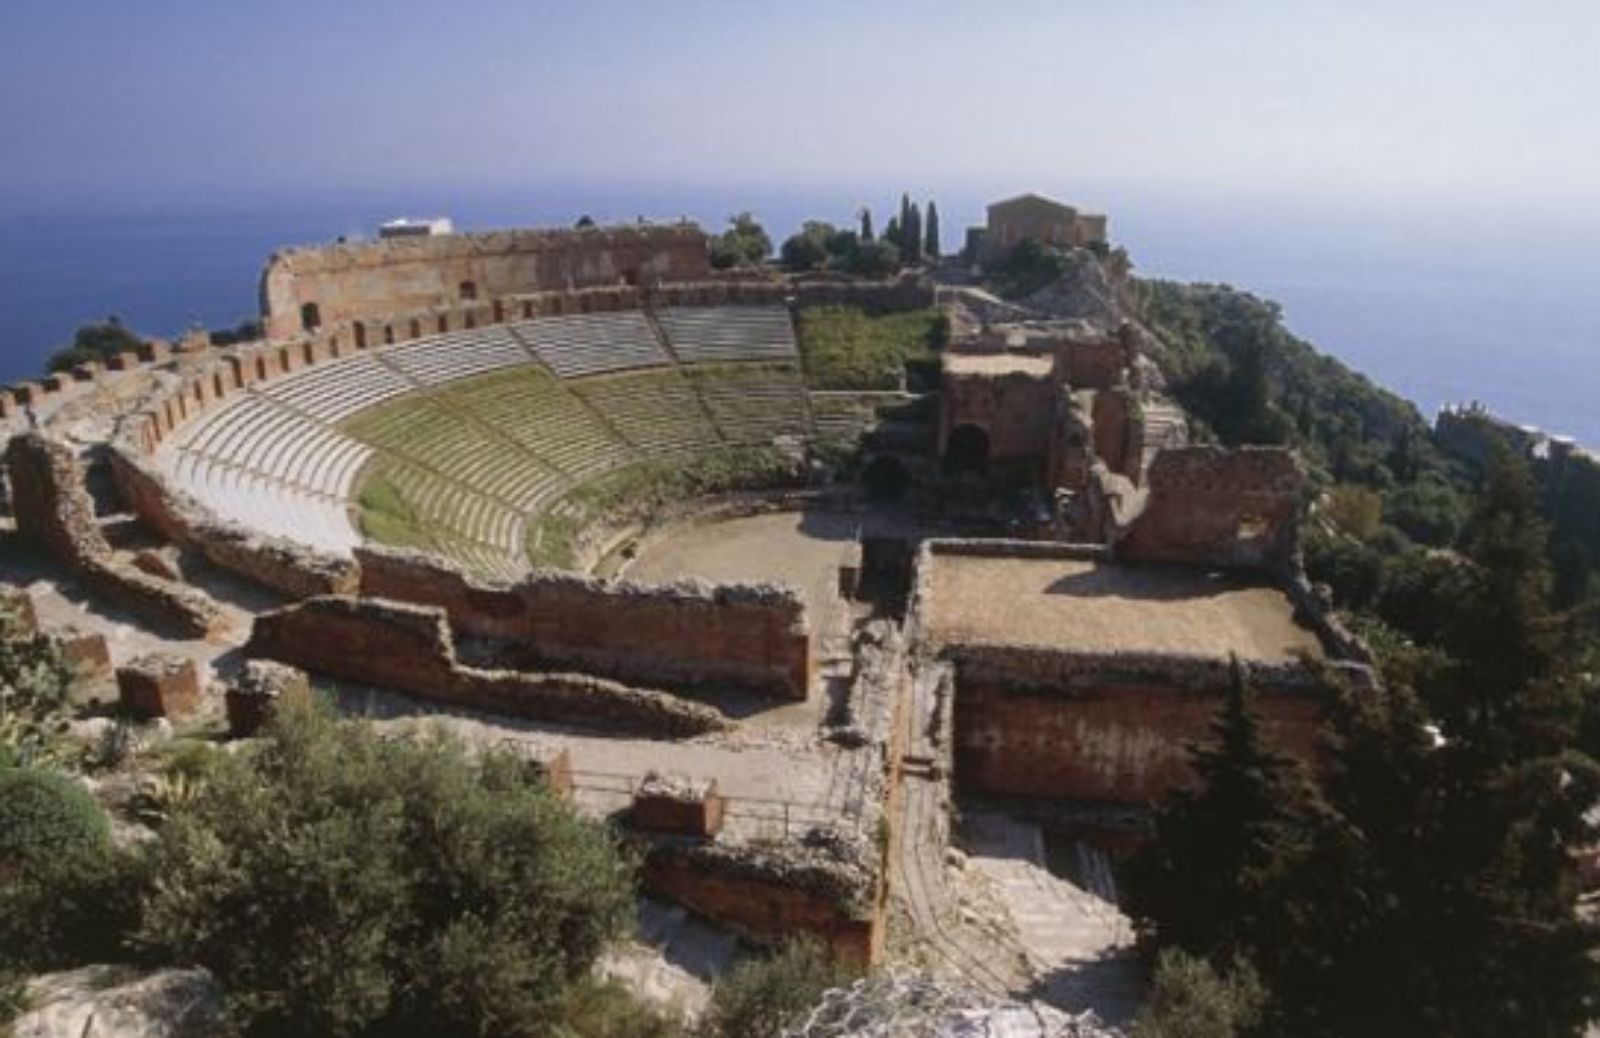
(1445, 304)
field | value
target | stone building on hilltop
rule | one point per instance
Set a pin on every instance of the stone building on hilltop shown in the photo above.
(1033, 217)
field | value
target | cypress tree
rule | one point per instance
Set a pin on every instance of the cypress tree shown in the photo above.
(866, 224)
(911, 232)
(891, 232)
(930, 247)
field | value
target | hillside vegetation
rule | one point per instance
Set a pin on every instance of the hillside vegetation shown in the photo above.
(843, 347)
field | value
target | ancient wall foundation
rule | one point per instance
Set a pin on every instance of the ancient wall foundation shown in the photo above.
(1215, 506)
(410, 648)
(53, 507)
(683, 636)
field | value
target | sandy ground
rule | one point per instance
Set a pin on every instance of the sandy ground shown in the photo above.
(1094, 607)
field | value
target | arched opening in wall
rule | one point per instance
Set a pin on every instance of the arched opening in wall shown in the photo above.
(527, 311)
(966, 452)
(310, 316)
(885, 479)
(631, 277)
(388, 335)
(468, 291)
(361, 335)
(261, 369)
(499, 312)
(416, 328)
(444, 324)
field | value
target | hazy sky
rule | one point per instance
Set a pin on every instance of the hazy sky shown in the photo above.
(1467, 102)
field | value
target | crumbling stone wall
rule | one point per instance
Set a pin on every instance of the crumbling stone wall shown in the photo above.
(350, 282)
(1015, 409)
(824, 888)
(683, 635)
(410, 649)
(1111, 727)
(1217, 506)
(52, 506)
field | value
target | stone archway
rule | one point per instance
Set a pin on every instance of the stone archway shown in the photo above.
(966, 451)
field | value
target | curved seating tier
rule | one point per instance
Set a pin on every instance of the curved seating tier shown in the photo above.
(589, 344)
(474, 432)
(705, 334)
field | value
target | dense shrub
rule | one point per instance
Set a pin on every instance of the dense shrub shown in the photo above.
(68, 897)
(1191, 999)
(762, 997)
(35, 686)
(341, 884)
(46, 816)
(95, 342)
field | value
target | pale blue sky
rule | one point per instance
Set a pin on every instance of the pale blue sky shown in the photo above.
(1464, 103)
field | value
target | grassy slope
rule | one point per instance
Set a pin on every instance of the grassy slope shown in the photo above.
(844, 348)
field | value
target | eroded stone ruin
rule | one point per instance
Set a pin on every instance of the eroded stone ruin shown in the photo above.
(1042, 595)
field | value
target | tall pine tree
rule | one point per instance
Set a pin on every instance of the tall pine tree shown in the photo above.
(866, 224)
(930, 245)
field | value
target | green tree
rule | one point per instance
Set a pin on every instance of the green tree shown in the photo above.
(95, 342)
(764, 996)
(339, 883)
(911, 235)
(874, 259)
(1202, 883)
(866, 224)
(1191, 999)
(891, 232)
(744, 244)
(804, 251)
(931, 245)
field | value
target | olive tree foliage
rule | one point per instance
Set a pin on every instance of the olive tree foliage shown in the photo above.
(744, 244)
(35, 687)
(338, 883)
(763, 998)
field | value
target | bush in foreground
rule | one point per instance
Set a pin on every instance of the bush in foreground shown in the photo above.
(762, 997)
(341, 884)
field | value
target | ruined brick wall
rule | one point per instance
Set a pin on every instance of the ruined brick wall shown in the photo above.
(1216, 506)
(1108, 729)
(685, 635)
(1015, 410)
(374, 279)
(289, 568)
(52, 506)
(410, 649)
(1092, 364)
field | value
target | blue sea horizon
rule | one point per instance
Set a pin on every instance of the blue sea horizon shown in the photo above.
(1440, 313)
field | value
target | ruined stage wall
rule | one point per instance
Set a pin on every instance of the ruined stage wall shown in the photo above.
(1215, 506)
(410, 649)
(1110, 729)
(396, 275)
(686, 635)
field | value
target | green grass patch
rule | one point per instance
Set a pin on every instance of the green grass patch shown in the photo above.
(551, 540)
(843, 347)
(386, 516)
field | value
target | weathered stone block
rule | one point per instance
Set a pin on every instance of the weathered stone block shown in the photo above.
(86, 652)
(677, 804)
(261, 689)
(158, 685)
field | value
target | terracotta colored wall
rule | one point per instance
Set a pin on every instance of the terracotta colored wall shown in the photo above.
(1115, 742)
(755, 637)
(410, 649)
(1218, 506)
(1015, 410)
(767, 909)
(386, 277)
